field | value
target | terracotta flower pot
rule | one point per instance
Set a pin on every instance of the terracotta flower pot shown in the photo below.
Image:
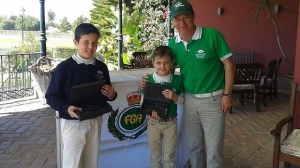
(291, 79)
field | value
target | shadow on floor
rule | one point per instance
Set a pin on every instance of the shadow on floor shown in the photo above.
(28, 139)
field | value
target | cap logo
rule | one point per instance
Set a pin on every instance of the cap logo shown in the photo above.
(178, 4)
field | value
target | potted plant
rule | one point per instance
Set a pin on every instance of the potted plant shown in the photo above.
(268, 6)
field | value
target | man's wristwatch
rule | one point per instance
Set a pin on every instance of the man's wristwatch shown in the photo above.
(228, 95)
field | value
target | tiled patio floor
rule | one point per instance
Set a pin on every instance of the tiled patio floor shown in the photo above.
(28, 137)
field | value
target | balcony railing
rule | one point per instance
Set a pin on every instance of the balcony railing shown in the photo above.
(16, 79)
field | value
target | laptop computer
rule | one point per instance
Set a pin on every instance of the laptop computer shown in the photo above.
(154, 100)
(90, 98)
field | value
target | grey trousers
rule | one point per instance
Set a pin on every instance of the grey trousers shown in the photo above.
(204, 122)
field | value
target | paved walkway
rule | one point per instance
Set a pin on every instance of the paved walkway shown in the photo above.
(28, 137)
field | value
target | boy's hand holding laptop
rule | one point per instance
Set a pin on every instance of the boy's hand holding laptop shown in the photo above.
(157, 99)
(72, 109)
(169, 94)
(89, 100)
(108, 91)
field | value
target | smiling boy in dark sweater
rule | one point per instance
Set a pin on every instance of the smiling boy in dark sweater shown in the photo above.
(80, 139)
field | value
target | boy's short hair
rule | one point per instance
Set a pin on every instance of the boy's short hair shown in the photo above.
(161, 51)
(85, 28)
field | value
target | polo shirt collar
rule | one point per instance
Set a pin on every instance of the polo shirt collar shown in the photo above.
(197, 35)
(80, 60)
(161, 79)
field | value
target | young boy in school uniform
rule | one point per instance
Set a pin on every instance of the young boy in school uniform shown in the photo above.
(162, 134)
(80, 138)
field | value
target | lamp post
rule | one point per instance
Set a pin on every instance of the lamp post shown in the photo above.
(170, 34)
(22, 10)
(43, 38)
(120, 37)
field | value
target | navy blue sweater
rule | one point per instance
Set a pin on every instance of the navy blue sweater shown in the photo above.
(67, 74)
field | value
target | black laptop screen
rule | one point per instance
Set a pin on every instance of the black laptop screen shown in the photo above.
(154, 92)
(84, 93)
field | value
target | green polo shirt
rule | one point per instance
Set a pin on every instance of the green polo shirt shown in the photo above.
(200, 60)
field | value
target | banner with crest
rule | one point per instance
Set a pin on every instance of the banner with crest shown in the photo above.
(124, 140)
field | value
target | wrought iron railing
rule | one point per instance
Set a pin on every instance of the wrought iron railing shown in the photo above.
(16, 79)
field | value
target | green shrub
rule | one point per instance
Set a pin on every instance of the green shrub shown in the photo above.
(62, 52)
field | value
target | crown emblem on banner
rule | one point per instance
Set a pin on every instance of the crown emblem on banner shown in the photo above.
(134, 98)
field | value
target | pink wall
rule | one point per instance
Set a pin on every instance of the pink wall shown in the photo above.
(297, 59)
(243, 33)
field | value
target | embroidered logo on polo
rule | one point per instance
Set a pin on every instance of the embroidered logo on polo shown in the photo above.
(178, 4)
(128, 123)
(200, 54)
(99, 75)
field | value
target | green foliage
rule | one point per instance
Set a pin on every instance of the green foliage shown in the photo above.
(1, 18)
(62, 52)
(51, 15)
(51, 18)
(13, 17)
(153, 30)
(30, 23)
(108, 49)
(7, 25)
(15, 23)
(131, 29)
(102, 16)
(79, 20)
(129, 6)
(64, 25)
(50, 24)
(144, 27)
(30, 45)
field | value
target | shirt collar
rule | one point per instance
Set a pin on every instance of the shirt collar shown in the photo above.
(80, 60)
(162, 79)
(197, 35)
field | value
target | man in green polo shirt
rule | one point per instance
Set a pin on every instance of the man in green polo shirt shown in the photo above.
(206, 66)
(208, 71)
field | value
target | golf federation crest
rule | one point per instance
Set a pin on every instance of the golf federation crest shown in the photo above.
(128, 123)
